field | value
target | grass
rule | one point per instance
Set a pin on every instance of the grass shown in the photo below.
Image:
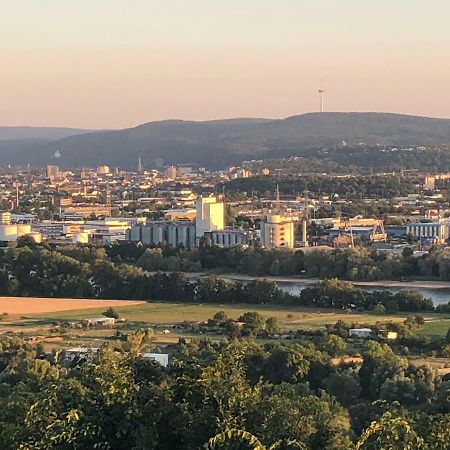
(436, 326)
(288, 317)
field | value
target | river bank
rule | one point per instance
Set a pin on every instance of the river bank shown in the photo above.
(373, 284)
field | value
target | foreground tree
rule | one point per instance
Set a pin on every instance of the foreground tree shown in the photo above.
(390, 433)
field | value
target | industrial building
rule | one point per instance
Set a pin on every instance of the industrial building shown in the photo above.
(87, 210)
(277, 232)
(209, 221)
(434, 231)
(157, 232)
(10, 232)
(229, 237)
(210, 216)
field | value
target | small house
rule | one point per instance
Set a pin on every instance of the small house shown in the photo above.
(101, 322)
(359, 332)
(161, 358)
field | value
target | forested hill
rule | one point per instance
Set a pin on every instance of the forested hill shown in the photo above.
(222, 142)
(41, 133)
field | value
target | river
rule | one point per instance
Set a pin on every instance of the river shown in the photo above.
(439, 295)
(438, 291)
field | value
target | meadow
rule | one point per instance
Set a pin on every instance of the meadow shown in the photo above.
(159, 313)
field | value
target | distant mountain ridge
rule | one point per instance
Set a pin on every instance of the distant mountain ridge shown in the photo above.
(216, 143)
(41, 133)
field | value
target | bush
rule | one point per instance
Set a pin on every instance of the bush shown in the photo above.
(379, 309)
(111, 312)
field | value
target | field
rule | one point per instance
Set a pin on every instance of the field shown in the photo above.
(35, 305)
(170, 313)
(39, 320)
(288, 317)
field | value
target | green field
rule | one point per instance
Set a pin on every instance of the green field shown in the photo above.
(288, 317)
(436, 327)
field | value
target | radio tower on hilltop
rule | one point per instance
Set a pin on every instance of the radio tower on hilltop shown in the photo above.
(321, 93)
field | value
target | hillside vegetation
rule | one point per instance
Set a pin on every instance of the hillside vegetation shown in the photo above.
(221, 142)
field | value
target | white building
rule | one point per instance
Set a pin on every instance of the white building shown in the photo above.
(161, 358)
(277, 232)
(10, 232)
(359, 332)
(101, 322)
(210, 215)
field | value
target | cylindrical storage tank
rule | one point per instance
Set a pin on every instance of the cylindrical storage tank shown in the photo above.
(8, 232)
(23, 229)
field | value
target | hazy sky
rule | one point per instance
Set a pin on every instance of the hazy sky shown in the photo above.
(118, 63)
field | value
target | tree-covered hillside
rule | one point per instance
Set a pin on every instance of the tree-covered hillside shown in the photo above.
(222, 142)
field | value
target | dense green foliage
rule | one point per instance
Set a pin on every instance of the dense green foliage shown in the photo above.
(359, 263)
(344, 187)
(88, 272)
(230, 395)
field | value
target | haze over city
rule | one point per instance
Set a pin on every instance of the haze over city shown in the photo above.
(115, 64)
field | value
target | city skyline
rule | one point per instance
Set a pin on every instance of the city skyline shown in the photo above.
(109, 64)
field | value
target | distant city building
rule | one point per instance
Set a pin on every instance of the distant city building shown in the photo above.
(10, 232)
(229, 238)
(180, 214)
(52, 172)
(182, 171)
(277, 232)
(210, 215)
(87, 210)
(429, 183)
(159, 232)
(5, 217)
(434, 231)
(63, 202)
(238, 172)
(103, 170)
(171, 173)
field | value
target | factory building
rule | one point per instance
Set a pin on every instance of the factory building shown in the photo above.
(229, 238)
(277, 232)
(163, 232)
(10, 232)
(434, 231)
(210, 216)
(176, 233)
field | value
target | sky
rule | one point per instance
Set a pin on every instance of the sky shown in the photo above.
(119, 63)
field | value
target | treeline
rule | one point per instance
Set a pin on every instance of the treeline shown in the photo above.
(360, 159)
(354, 264)
(352, 187)
(87, 272)
(227, 395)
